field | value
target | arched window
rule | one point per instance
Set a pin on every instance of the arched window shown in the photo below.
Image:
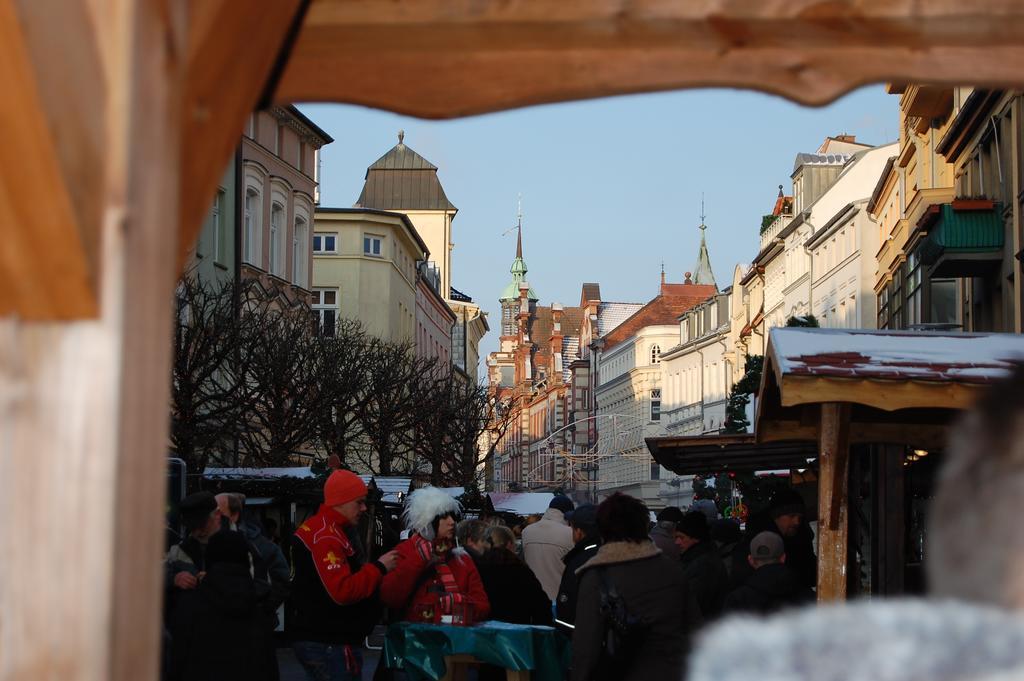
(276, 239)
(252, 226)
(655, 354)
(299, 239)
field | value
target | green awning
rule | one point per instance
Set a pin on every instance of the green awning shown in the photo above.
(964, 242)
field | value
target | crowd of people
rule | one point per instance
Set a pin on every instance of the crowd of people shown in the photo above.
(629, 595)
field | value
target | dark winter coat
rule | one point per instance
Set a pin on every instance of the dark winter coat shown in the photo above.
(269, 563)
(223, 629)
(654, 588)
(664, 537)
(769, 589)
(513, 590)
(568, 589)
(800, 556)
(334, 592)
(708, 579)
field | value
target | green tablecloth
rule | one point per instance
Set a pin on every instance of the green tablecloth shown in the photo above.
(420, 649)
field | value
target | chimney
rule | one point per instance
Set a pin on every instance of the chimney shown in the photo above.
(852, 139)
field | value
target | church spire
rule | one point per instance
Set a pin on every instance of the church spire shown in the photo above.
(518, 269)
(519, 229)
(702, 274)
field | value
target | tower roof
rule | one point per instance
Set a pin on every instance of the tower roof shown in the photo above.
(401, 179)
(702, 274)
(519, 268)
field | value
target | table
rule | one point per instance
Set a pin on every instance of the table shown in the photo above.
(440, 651)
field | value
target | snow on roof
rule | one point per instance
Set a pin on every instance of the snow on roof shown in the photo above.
(521, 503)
(390, 486)
(610, 315)
(570, 352)
(213, 473)
(918, 355)
(453, 491)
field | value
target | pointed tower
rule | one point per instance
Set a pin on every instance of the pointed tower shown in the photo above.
(702, 273)
(403, 181)
(510, 296)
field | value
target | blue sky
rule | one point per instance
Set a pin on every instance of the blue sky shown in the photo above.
(611, 187)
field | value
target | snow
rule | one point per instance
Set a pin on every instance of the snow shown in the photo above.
(918, 355)
(212, 473)
(393, 488)
(521, 503)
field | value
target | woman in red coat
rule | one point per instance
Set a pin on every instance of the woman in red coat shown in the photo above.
(433, 579)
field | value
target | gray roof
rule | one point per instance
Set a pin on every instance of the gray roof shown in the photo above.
(610, 315)
(702, 274)
(804, 159)
(403, 180)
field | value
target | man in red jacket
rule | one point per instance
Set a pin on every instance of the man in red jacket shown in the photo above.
(433, 580)
(334, 588)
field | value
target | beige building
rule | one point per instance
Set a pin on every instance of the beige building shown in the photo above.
(278, 189)
(469, 329)
(401, 180)
(364, 267)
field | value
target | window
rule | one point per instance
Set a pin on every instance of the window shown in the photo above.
(655, 354)
(371, 246)
(943, 308)
(325, 307)
(656, 404)
(655, 471)
(325, 242)
(914, 292)
(299, 253)
(219, 247)
(252, 225)
(276, 238)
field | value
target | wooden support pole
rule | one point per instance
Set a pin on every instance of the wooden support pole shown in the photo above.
(833, 473)
(83, 404)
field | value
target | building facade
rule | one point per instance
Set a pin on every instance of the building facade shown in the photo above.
(434, 319)
(278, 193)
(365, 268)
(213, 259)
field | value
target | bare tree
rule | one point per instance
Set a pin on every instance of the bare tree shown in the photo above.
(208, 389)
(346, 363)
(282, 374)
(391, 406)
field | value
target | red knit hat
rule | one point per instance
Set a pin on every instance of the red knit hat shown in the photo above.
(342, 487)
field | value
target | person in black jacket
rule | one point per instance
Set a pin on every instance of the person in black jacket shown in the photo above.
(222, 629)
(513, 590)
(701, 563)
(784, 517)
(583, 522)
(334, 602)
(772, 586)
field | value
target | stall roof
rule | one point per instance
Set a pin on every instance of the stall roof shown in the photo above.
(393, 488)
(453, 491)
(521, 503)
(716, 453)
(213, 473)
(905, 386)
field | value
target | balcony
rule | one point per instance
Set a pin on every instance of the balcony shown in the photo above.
(927, 101)
(965, 238)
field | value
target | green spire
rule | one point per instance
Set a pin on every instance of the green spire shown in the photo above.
(518, 268)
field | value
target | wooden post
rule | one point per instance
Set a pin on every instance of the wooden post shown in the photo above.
(833, 528)
(83, 404)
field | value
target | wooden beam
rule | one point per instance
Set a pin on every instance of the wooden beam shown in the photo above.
(446, 58)
(923, 436)
(833, 529)
(231, 50)
(888, 395)
(83, 405)
(50, 194)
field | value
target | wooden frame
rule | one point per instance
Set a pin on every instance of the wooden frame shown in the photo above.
(116, 134)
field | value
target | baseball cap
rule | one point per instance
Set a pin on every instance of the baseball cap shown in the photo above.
(766, 546)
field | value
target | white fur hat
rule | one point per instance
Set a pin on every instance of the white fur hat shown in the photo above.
(424, 506)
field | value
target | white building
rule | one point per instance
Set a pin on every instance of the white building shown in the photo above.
(843, 245)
